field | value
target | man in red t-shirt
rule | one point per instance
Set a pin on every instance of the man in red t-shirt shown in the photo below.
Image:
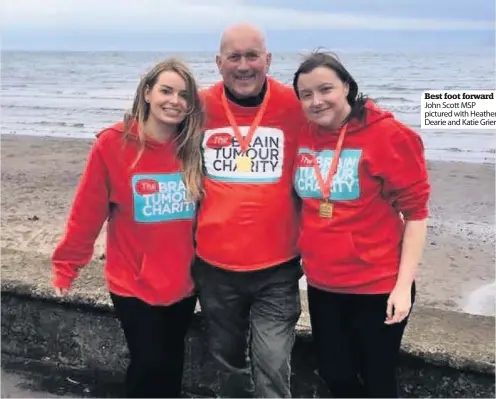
(248, 267)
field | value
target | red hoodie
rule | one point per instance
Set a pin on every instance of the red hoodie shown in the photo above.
(381, 173)
(248, 220)
(150, 224)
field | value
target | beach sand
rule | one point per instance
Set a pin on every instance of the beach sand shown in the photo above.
(39, 176)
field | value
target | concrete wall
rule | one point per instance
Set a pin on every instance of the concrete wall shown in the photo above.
(85, 342)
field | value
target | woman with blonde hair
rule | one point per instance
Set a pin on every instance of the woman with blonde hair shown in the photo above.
(143, 176)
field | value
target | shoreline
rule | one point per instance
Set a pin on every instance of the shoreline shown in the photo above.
(40, 174)
(432, 155)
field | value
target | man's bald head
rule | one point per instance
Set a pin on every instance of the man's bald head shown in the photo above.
(243, 61)
(243, 32)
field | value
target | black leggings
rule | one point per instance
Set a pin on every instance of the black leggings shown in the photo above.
(155, 337)
(356, 352)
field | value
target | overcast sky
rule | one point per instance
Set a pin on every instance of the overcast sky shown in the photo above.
(289, 24)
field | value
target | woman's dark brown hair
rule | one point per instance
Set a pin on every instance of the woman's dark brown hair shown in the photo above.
(318, 59)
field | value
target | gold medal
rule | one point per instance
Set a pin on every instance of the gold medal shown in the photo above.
(243, 163)
(325, 209)
(325, 205)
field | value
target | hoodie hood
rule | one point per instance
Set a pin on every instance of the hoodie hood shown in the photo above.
(133, 134)
(373, 115)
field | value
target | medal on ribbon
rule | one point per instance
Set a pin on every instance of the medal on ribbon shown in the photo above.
(326, 207)
(244, 162)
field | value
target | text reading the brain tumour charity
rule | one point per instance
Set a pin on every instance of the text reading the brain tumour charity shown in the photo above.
(161, 197)
(264, 152)
(225, 160)
(455, 109)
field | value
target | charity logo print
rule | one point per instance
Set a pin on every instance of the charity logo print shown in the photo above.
(262, 162)
(345, 184)
(160, 198)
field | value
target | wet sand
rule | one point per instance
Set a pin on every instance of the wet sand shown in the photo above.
(39, 176)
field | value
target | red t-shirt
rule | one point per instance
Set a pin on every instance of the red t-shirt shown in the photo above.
(248, 219)
(149, 247)
(381, 181)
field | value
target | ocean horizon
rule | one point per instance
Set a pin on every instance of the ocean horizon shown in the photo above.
(78, 93)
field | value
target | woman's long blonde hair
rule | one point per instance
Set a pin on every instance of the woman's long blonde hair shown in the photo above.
(189, 132)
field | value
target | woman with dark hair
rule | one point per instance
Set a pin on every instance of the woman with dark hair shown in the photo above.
(363, 181)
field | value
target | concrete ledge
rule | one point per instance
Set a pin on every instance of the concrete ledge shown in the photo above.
(445, 354)
(440, 337)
